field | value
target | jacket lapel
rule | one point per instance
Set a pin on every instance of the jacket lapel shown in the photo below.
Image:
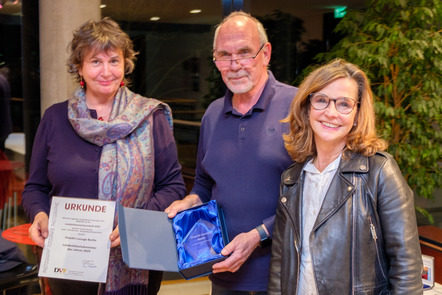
(338, 193)
(341, 187)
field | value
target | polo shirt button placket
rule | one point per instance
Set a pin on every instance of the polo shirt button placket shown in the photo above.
(242, 129)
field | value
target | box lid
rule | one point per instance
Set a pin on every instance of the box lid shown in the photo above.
(147, 239)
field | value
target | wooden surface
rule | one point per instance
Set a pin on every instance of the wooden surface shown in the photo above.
(431, 244)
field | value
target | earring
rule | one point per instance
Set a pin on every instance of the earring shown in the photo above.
(354, 124)
(122, 83)
(81, 82)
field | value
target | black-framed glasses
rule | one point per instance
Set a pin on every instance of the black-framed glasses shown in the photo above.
(343, 105)
(244, 59)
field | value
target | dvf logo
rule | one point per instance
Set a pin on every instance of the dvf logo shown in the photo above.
(59, 270)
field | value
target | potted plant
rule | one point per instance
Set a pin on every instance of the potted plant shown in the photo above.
(399, 44)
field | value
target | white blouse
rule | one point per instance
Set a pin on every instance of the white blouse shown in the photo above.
(316, 185)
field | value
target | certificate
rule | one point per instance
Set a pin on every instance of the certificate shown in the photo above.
(78, 245)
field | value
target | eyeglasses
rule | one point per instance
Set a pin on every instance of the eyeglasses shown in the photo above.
(245, 58)
(343, 105)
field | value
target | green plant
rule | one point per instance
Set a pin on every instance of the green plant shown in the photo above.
(399, 44)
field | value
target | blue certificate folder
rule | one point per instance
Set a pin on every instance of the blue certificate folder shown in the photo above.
(190, 243)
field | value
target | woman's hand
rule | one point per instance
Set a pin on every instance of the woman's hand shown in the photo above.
(38, 231)
(115, 237)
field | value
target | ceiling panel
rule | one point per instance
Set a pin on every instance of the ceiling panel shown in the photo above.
(177, 11)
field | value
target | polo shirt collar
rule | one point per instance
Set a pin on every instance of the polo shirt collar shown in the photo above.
(262, 102)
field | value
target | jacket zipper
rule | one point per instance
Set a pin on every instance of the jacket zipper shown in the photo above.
(295, 244)
(373, 231)
(354, 234)
(375, 237)
(297, 272)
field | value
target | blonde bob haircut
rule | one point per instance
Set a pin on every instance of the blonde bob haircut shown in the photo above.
(99, 36)
(362, 138)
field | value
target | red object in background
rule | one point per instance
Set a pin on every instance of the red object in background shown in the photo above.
(9, 182)
(5, 176)
(18, 234)
(431, 244)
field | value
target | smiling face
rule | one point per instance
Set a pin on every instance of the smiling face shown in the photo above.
(102, 73)
(236, 38)
(329, 126)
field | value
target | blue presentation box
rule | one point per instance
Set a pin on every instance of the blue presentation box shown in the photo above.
(190, 243)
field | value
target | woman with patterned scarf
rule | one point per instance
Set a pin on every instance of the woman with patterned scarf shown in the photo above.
(105, 142)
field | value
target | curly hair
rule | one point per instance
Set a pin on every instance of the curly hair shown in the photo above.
(362, 138)
(102, 35)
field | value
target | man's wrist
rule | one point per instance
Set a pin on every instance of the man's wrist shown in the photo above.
(264, 237)
(193, 200)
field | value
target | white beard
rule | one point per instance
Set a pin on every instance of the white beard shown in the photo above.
(239, 88)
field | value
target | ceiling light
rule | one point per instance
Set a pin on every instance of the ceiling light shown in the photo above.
(195, 11)
(102, 5)
(154, 18)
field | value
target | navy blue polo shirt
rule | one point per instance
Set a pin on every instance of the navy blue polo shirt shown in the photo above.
(239, 164)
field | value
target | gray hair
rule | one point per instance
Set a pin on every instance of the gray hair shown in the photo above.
(261, 31)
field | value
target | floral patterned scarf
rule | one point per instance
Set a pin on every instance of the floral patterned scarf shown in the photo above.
(126, 171)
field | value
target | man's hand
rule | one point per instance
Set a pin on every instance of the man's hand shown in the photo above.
(180, 205)
(38, 231)
(115, 237)
(240, 248)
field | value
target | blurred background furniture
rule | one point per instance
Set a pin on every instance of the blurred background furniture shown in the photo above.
(17, 275)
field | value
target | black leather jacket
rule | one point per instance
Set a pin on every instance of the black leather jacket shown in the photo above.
(365, 238)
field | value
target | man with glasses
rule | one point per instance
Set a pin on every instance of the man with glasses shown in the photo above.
(241, 154)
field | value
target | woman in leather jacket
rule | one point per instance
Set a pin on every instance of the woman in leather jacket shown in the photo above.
(345, 222)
